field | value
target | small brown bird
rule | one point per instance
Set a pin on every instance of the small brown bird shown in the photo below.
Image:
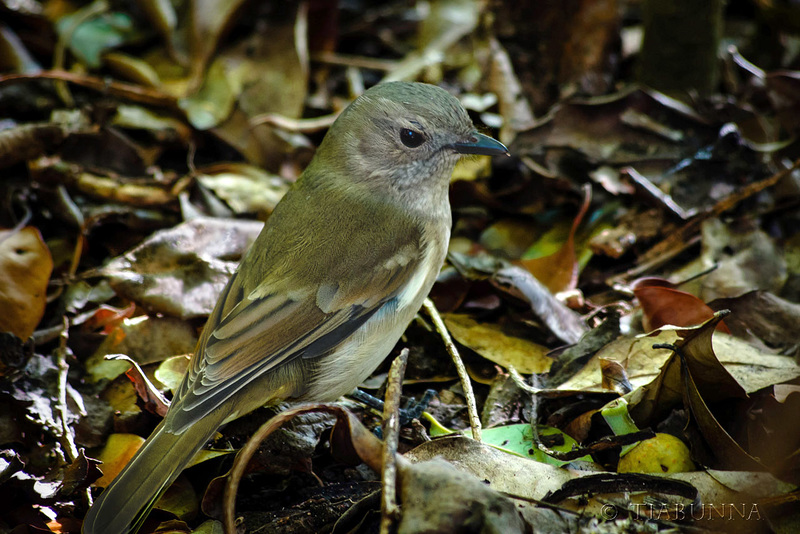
(327, 289)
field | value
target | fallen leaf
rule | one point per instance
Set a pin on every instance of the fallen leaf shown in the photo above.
(107, 318)
(171, 371)
(246, 189)
(752, 369)
(117, 452)
(25, 267)
(181, 271)
(180, 499)
(559, 271)
(694, 377)
(662, 454)
(518, 439)
(745, 258)
(664, 304)
(145, 340)
(488, 340)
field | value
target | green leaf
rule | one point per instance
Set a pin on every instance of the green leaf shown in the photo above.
(95, 35)
(515, 439)
(518, 439)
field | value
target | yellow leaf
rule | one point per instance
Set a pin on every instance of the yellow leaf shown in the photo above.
(492, 343)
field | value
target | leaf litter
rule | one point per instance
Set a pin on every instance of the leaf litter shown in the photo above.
(142, 150)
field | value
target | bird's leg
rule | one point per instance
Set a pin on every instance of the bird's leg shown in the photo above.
(412, 410)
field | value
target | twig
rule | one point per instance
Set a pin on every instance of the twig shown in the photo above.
(537, 440)
(59, 55)
(390, 512)
(67, 442)
(128, 91)
(290, 124)
(678, 240)
(520, 381)
(63, 368)
(472, 409)
(654, 192)
(534, 392)
(239, 465)
(344, 60)
(365, 445)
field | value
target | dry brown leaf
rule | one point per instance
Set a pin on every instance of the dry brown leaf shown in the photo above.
(181, 271)
(559, 271)
(664, 304)
(694, 376)
(25, 267)
(751, 368)
(745, 258)
(146, 340)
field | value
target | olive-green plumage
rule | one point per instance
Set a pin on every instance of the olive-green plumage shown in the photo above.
(326, 290)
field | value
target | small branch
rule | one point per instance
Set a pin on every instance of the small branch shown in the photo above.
(519, 380)
(291, 124)
(390, 512)
(63, 369)
(127, 91)
(466, 384)
(360, 62)
(60, 53)
(67, 439)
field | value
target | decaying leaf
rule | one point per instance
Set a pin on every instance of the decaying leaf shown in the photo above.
(247, 189)
(171, 371)
(116, 453)
(745, 257)
(25, 267)
(664, 304)
(492, 343)
(695, 377)
(181, 271)
(435, 496)
(180, 499)
(753, 369)
(145, 340)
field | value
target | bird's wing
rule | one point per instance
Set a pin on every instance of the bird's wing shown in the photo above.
(273, 325)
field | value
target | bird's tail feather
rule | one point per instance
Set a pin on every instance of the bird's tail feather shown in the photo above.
(125, 503)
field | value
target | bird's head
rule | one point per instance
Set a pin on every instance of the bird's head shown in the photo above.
(406, 135)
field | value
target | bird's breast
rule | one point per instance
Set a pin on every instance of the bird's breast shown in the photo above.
(419, 284)
(355, 359)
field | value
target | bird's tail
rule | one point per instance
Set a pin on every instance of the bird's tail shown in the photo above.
(125, 503)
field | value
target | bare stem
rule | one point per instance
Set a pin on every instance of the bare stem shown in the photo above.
(466, 384)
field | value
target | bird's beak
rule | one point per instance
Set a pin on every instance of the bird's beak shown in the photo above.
(480, 144)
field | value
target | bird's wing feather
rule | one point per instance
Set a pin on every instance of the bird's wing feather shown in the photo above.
(273, 325)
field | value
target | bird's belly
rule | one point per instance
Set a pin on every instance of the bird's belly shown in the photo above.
(354, 360)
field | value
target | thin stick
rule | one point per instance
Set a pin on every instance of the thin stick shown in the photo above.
(390, 512)
(63, 412)
(354, 61)
(67, 437)
(293, 125)
(466, 384)
(520, 381)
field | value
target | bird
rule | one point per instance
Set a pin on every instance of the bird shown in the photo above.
(341, 267)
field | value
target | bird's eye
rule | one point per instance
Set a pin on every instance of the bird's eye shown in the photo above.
(411, 138)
